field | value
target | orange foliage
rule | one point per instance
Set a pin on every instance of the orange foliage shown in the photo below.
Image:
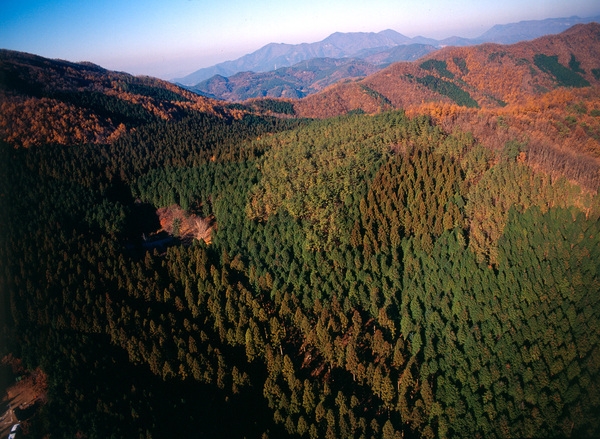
(30, 121)
(494, 75)
(561, 129)
(29, 116)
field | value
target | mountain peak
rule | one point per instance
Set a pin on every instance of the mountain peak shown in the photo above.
(276, 55)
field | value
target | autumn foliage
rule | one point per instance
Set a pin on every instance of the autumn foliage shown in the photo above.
(519, 97)
(53, 101)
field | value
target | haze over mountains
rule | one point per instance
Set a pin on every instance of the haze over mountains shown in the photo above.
(305, 77)
(379, 49)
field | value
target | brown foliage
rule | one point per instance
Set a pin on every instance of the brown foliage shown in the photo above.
(186, 226)
(33, 111)
(31, 121)
(561, 129)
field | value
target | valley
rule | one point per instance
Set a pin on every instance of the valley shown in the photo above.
(412, 253)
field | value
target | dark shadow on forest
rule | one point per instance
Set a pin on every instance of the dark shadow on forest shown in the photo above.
(7, 378)
(25, 413)
(142, 229)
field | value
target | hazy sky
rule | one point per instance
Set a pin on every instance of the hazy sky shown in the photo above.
(169, 38)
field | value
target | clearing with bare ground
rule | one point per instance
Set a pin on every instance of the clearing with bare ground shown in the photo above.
(26, 393)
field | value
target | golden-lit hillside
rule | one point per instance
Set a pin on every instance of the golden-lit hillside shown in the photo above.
(54, 101)
(544, 92)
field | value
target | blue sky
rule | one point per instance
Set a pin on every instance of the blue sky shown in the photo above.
(169, 38)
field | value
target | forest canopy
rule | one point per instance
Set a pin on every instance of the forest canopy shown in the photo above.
(367, 275)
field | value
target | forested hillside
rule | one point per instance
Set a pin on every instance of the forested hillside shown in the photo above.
(54, 101)
(543, 93)
(296, 81)
(389, 275)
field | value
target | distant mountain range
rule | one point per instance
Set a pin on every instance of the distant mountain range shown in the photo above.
(305, 77)
(485, 76)
(363, 53)
(274, 55)
(529, 30)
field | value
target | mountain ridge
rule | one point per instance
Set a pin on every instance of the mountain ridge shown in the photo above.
(56, 101)
(305, 77)
(546, 90)
(274, 55)
(478, 90)
(488, 72)
(524, 30)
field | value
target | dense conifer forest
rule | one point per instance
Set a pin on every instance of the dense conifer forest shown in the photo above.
(368, 276)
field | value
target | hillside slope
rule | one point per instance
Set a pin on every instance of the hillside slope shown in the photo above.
(544, 92)
(55, 101)
(288, 82)
(370, 276)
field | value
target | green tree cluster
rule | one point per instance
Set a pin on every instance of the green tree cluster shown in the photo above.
(369, 276)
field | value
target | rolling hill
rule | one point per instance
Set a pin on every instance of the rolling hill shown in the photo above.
(56, 101)
(534, 86)
(488, 75)
(288, 82)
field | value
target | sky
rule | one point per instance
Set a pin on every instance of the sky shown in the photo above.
(172, 38)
